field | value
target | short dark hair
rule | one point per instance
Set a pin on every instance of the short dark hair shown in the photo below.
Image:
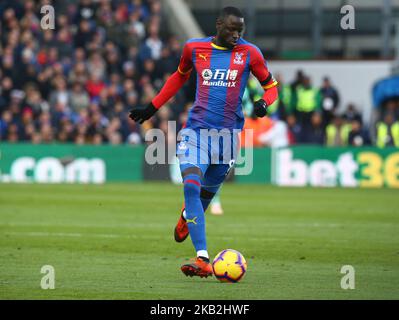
(230, 11)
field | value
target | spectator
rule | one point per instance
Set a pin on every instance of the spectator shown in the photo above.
(316, 132)
(308, 101)
(78, 74)
(299, 79)
(337, 132)
(330, 101)
(64, 44)
(358, 136)
(5, 92)
(285, 98)
(86, 11)
(294, 130)
(388, 132)
(352, 114)
(96, 66)
(136, 27)
(84, 34)
(78, 97)
(5, 123)
(153, 42)
(60, 94)
(34, 100)
(391, 106)
(95, 85)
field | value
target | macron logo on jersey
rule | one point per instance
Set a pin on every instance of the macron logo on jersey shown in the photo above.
(219, 77)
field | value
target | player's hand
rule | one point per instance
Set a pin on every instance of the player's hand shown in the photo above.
(142, 114)
(260, 108)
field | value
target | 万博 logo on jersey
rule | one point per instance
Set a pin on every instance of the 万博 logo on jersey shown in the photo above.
(220, 77)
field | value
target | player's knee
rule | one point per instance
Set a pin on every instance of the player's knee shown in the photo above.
(192, 171)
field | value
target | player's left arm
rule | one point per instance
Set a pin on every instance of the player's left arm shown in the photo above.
(260, 70)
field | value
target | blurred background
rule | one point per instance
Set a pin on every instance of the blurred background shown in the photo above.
(66, 89)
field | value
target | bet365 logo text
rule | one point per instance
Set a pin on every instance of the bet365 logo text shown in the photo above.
(220, 77)
(353, 168)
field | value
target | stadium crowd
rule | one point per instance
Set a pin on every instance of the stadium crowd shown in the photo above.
(77, 82)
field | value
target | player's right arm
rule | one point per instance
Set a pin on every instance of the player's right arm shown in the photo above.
(170, 88)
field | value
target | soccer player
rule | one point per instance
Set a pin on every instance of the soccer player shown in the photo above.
(216, 205)
(223, 63)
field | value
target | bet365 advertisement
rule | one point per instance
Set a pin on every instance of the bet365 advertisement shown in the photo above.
(317, 166)
(330, 167)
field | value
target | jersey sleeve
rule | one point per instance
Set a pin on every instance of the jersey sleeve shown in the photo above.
(186, 62)
(260, 70)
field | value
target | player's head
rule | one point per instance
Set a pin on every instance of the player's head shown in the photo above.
(229, 26)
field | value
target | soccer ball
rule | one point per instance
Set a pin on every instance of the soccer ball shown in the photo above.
(229, 266)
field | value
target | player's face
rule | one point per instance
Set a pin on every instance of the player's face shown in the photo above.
(230, 30)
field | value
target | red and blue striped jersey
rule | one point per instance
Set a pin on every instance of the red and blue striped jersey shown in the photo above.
(222, 76)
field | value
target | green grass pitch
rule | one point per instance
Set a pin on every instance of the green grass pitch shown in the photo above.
(115, 241)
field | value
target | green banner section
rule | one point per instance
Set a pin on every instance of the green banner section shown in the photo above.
(259, 166)
(70, 163)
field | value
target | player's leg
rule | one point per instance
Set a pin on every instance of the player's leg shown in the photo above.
(194, 214)
(181, 230)
(216, 204)
(207, 195)
(193, 154)
(217, 173)
(195, 220)
(209, 190)
(191, 162)
(212, 182)
(217, 149)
